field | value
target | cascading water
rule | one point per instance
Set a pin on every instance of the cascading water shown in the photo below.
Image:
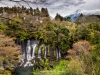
(58, 54)
(39, 52)
(33, 47)
(22, 60)
(28, 52)
(45, 52)
(23, 53)
(28, 48)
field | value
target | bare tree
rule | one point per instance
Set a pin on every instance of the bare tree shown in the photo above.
(28, 2)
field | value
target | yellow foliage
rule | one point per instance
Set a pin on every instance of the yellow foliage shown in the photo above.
(17, 19)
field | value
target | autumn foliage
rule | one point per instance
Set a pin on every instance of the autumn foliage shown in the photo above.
(9, 51)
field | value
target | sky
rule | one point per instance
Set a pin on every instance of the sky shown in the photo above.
(63, 7)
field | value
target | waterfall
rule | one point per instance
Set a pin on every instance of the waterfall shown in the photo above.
(28, 51)
(45, 52)
(28, 48)
(57, 54)
(22, 59)
(23, 53)
(33, 45)
(39, 52)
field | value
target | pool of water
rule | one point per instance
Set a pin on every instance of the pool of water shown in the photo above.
(23, 71)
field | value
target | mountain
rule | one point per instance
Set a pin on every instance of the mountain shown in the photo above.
(74, 16)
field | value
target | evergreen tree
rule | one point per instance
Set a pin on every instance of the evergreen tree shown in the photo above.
(58, 17)
(44, 12)
(36, 12)
(31, 11)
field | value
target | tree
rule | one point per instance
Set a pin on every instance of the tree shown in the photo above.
(9, 51)
(36, 12)
(44, 12)
(58, 17)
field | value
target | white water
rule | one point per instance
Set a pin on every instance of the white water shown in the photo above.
(27, 61)
(28, 51)
(23, 55)
(33, 46)
(39, 52)
(45, 52)
(57, 54)
(22, 59)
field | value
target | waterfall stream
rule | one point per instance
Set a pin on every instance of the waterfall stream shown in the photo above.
(45, 52)
(33, 46)
(28, 48)
(39, 52)
(28, 53)
(58, 54)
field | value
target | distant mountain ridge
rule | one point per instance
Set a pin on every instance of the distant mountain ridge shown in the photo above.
(74, 16)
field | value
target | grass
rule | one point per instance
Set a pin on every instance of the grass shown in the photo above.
(59, 69)
(64, 67)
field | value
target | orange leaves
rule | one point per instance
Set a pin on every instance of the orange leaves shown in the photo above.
(82, 46)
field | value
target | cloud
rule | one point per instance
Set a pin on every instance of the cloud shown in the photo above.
(66, 3)
(90, 12)
(92, 4)
(63, 7)
(47, 3)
